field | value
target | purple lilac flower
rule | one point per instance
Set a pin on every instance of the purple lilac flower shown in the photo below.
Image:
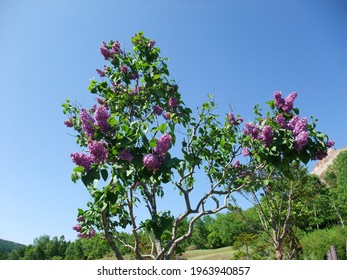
(77, 228)
(237, 164)
(91, 233)
(301, 140)
(330, 143)
(134, 76)
(300, 126)
(167, 116)
(163, 144)
(125, 155)
(157, 110)
(135, 91)
(80, 219)
(100, 72)
(116, 47)
(101, 101)
(289, 102)
(105, 51)
(320, 155)
(281, 120)
(293, 122)
(251, 129)
(231, 118)
(152, 43)
(69, 122)
(92, 110)
(98, 151)
(245, 151)
(279, 101)
(152, 161)
(83, 160)
(267, 135)
(102, 115)
(173, 102)
(124, 69)
(87, 123)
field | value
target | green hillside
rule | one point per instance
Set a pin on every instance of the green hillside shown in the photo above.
(9, 246)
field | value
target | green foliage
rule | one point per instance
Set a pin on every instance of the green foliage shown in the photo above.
(87, 249)
(250, 246)
(222, 231)
(336, 179)
(45, 248)
(316, 244)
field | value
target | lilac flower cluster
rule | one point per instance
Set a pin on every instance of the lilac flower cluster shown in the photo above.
(163, 144)
(157, 110)
(299, 127)
(125, 155)
(173, 102)
(116, 47)
(267, 136)
(84, 160)
(98, 154)
(281, 121)
(285, 104)
(251, 129)
(101, 116)
(301, 140)
(320, 155)
(330, 143)
(98, 151)
(124, 69)
(153, 161)
(69, 122)
(100, 72)
(78, 228)
(107, 53)
(152, 43)
(87, 123)
(234, 121)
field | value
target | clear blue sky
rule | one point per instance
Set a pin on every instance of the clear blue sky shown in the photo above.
(240, 50)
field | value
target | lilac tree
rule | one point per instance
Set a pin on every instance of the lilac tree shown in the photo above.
(140, 139)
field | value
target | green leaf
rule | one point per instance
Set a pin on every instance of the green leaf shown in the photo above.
(78, 169)
(104, 174)
(112, 121)
(156, 77)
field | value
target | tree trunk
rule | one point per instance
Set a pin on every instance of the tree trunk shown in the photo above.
(278, 253)
(338, 215)
(332, 253)
(277, 245)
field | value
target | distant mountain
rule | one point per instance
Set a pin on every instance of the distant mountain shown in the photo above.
(9, 246)
(321, 166)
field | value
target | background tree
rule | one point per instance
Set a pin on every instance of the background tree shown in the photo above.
(336, 179)
(127, 139)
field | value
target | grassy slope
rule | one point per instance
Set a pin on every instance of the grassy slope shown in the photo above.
(212, 254)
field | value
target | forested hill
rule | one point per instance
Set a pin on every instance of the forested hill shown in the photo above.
(9, 246)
